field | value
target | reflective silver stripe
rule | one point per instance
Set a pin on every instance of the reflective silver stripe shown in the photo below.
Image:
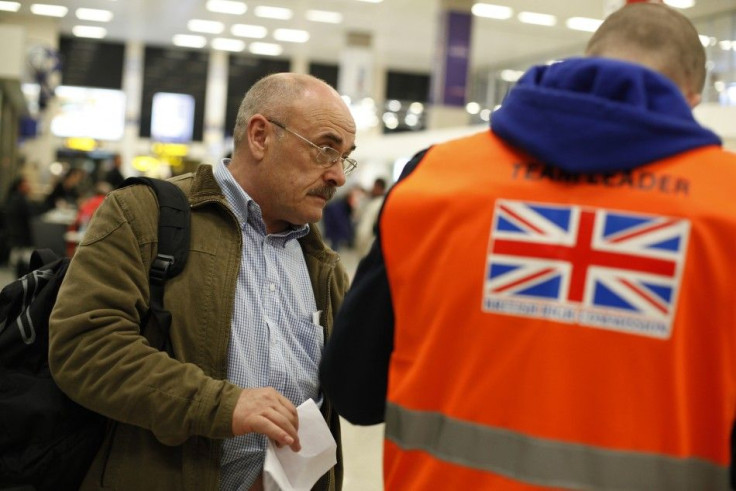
(546, 462)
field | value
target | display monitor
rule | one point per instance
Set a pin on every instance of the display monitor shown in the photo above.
(172, 117)
(87, 112)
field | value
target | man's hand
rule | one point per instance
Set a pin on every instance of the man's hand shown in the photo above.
(265, 411)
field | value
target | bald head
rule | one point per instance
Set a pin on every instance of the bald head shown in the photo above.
(658, 37)
(274, 95)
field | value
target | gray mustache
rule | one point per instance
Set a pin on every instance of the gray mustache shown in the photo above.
(326, 192)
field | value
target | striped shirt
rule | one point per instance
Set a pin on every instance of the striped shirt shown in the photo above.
(274, 341)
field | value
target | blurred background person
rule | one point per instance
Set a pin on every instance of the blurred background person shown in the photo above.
(89, 205)
(87, 208)
(18, 212)
(337, 219)
(367, 216)
(65, 193)
(114, 175)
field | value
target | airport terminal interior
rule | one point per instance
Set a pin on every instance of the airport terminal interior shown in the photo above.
(154, 86)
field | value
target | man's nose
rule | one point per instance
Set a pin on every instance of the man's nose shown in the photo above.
(335, 174)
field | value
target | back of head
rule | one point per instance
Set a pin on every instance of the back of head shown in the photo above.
(17, 185)
(379, 187)
(102, 188)
(73, 176)
(656, 36)
(273, 95)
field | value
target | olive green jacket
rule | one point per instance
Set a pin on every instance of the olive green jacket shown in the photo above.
(169, 415)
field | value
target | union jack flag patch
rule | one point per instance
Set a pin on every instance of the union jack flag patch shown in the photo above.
(594, 267)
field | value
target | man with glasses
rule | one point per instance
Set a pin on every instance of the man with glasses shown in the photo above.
(251, 309)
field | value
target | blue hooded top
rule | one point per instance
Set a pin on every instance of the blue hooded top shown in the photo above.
(587, 115)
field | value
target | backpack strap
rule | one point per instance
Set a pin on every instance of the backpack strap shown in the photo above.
(173, 247)
(42, 257)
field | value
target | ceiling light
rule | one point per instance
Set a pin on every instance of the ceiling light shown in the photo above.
(206, 26)
(49, 10)
(273, 12)
(707, 40)
(268, 49)
(249, 31)
(411, 120)
(492, 11)
(511, 76)
(225, 44)
(472, 107)
(390, 120)
(537, 19)
(189, 41)
(726, 45)
(89, 32)
(10, 6)
(95, 15)
(416, 107)
(680, 4)
(227, 7)
(371, 1)
(393, 105)
(291, 35)
(324, 16)
(583, 24)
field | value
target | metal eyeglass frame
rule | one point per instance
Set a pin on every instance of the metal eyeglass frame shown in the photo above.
(328, 155)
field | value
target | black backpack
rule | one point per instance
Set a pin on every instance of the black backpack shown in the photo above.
(46, 440)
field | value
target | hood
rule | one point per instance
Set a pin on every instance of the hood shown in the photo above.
(598, 115)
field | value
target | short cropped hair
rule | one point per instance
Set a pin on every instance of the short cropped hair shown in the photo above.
(271, 96)
(657, 36)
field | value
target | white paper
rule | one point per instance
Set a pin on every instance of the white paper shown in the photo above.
(287, 470)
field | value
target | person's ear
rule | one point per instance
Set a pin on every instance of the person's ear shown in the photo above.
(692, 95)
(693, 98)
(257, 135)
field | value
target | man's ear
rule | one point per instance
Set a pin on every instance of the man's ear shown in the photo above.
(257, 135)
(693, 98)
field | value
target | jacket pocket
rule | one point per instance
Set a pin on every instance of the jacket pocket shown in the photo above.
(134, 459)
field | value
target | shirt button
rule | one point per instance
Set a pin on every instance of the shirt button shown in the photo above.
(272, 287)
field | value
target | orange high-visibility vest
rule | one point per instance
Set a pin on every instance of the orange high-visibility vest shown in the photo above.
(560, 331)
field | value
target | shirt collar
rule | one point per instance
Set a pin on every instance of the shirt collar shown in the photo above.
(246, 209)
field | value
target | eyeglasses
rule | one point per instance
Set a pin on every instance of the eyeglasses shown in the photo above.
(326, 156)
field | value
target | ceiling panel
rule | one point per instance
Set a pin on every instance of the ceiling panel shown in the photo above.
(404, 32)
